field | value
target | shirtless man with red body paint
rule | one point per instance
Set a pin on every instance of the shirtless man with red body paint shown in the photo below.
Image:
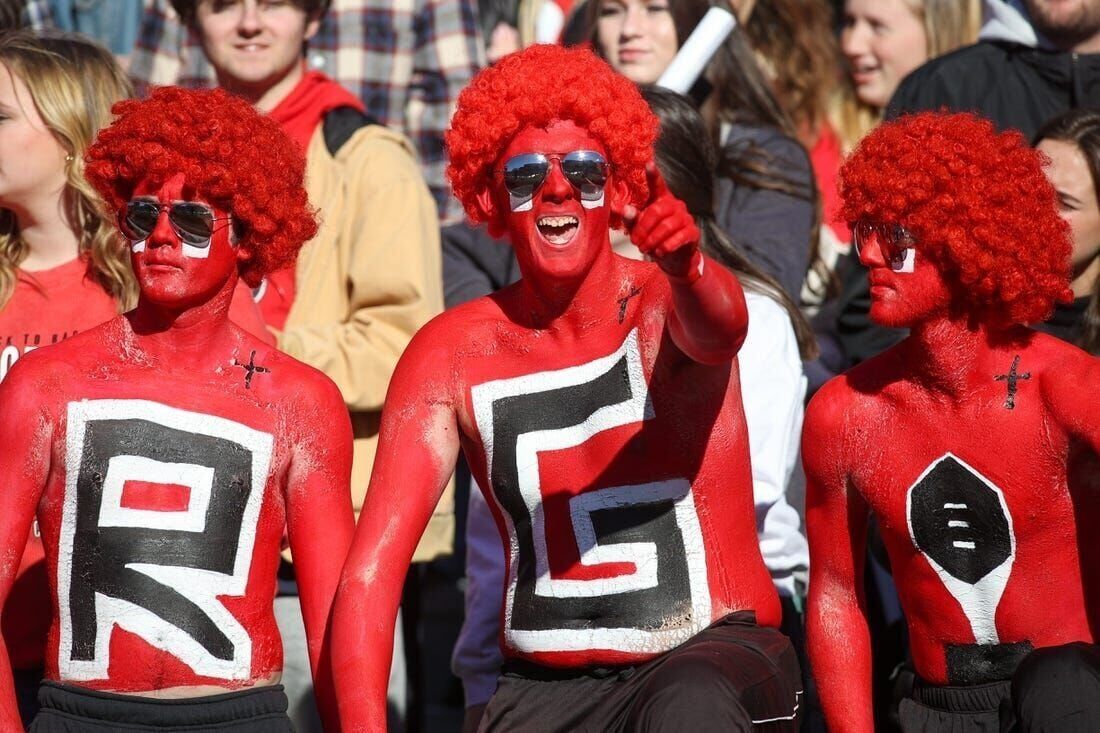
(973, 442)
(598, 401)
(165, 451)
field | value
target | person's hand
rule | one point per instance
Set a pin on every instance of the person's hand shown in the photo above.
(664, 230)
(472, 718)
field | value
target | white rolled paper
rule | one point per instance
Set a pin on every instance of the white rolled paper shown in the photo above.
(697, 50)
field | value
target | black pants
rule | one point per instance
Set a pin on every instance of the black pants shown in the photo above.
(68, 709)
(1054, 690)
(733, 676)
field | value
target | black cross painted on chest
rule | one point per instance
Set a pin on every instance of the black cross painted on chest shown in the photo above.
(250, 368)
(1012, 378)
(625, 300)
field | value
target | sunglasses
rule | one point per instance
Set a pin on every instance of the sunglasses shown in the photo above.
(192, 222)
(586, 170)
(895, 242)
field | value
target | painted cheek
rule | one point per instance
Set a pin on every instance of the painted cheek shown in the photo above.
(596, 204)
(198, 253)
(905, 263)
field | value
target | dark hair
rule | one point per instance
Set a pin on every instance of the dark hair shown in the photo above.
(795, 42)
(688, 163)
(1081, 127)
(186, 8)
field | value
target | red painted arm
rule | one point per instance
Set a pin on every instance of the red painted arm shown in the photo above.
(417, 449)
(709, 318)
(836, 523)
(25, 438)
(320, 524)
(1066, 386)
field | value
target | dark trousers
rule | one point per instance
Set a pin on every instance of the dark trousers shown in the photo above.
(1054, 690)
(69, 709)
(732, 676)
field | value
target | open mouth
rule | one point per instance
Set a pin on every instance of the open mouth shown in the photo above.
(558, 230)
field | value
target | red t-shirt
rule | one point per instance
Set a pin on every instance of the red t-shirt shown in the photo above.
(46, 307)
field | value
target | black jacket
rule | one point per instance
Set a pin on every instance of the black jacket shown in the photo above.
(1013, 85)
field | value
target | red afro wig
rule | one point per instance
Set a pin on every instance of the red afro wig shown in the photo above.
(234, 157)
(534, 87)
(978, 204)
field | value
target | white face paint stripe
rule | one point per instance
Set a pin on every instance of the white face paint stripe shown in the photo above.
(908, 261)
(593, 204)
(197, 253)
(519, 203)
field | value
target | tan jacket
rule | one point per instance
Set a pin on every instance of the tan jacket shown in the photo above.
(370, 278)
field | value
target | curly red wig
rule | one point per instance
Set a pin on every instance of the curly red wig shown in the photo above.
(238, 160)
(533, 88)
(978, 204)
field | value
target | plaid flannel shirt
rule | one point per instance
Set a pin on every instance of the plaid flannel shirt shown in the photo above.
(406, 59)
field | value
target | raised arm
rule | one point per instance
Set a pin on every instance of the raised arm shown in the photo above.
(417, 449)
(25, 438)
(836, 522)
(320, 525)
(709, 320)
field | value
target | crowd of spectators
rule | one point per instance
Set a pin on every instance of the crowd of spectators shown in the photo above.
(366, 88)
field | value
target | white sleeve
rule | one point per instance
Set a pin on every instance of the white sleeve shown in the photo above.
(477, 657)
(773, 388)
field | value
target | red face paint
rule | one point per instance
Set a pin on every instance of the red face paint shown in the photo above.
(556, 200)
(172, 273)
(899, 298)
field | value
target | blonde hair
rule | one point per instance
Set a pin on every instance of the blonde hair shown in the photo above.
(948, 25)
(73, 83)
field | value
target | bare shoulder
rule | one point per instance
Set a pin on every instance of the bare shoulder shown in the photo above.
(1065, 372)
(81, 355)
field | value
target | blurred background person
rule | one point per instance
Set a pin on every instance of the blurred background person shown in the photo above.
(63, 265)
(405, 62)
(767, 202)
(883, 41)
(1071, 141)
(357, 292)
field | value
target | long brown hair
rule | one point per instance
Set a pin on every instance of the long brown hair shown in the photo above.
(797, 48)
(1081, 128)
(73, 83)
(688, 163)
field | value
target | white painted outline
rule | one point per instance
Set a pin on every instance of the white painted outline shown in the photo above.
(642, 554)
(978, 601)
(198, 479)
(202, 587)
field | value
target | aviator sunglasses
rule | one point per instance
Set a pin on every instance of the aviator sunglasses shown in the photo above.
(586, 170)
(192, 222)
(895, 241)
